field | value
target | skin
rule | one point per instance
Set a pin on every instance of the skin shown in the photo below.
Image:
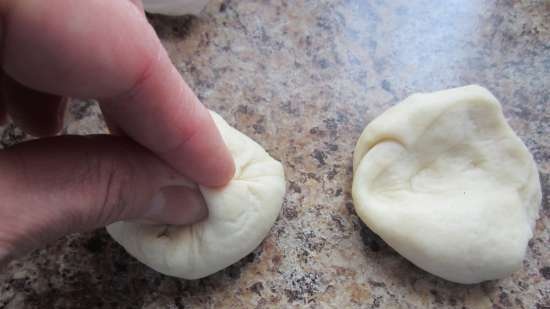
(55, 185)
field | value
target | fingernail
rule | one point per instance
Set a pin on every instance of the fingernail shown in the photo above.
(178, 205)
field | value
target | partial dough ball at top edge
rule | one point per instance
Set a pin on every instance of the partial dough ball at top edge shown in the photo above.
(445, 181)
(241, 215)
(174, 7)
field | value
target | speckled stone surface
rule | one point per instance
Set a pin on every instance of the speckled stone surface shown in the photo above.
(303, 78)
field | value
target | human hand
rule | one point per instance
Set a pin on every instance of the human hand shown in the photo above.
(106, 50)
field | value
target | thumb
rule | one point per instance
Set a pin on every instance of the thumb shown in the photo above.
(55, 186)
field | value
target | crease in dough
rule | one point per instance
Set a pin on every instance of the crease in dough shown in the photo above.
(446, 182)
(241, 215)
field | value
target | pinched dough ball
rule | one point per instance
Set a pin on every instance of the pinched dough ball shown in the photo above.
(240, 216)
(444, 180)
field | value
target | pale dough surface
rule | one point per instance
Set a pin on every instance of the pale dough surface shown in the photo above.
(241, 214)
(444, 180)
(174, 7)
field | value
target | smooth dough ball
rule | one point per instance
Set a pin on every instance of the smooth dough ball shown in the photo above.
(444, 180)
(174, 7)
(240, 216)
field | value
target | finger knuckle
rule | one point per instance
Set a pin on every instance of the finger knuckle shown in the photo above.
(109, 179)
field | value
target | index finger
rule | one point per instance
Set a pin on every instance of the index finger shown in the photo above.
(106, 49)
(163, 114)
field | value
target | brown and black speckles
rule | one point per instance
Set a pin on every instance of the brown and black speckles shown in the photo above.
(303, 255)
(349, 169)
(331, 124)
(77, 287)
(372, 241)
(294, 187)
(276, 260)
(318, 132)
(320, 156)
(545, 185)
(293, 295)
(290, 213)
(386, 85)
(81, 109)
(331, 147)
(12, 135)
(452, 301)
(302, 286)
(504, 300)
(325, 23)
(438, 300)
(223, 6)
(338, 222)
(311, 241)
(545, 272)
(234, 271)
(19, 284)
(179, 303)
(377, 301)
(96, 243)
(171, 27)
(245, 109)
(377, 284)
(258, 128)
(290, 108)
(257, 288)
(350, 208)
(332, 173)
(120, 265)
(313, 176)
(523, 285)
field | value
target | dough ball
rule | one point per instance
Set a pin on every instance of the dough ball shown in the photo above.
(240, 216)
(444, 180)
(174, 7)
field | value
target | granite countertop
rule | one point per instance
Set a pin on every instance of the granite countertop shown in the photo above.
(303, 78)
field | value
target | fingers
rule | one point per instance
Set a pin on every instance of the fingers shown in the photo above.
(55, 186)
(83, 52)
(37, 113)
(139, 4)
(177, 127)
(85, 49)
